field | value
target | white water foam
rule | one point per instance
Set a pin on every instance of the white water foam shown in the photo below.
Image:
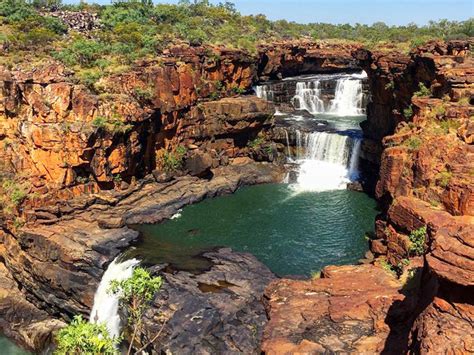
(307, 97)
(329, 162)
(106, 305)
(264, 92)
(177, 214)
(348, 98)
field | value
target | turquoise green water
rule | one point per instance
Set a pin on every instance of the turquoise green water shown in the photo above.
(291, 234)
(9, 348)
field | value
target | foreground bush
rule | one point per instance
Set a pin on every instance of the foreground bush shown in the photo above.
(135, 295)
(82, 337)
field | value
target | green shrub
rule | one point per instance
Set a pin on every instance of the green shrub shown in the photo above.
(89, 77)
(143, 94)
(83, 52)
(135, 294)
(417, 241)
(422, 91)
(257, 142)
(82, 337)
(449, 124)
(13, 194)
(111, 124)
(438, 111)
(443, 178)
(99, 122)
(388, 267)
(390, 85)
(413, 142)
(238, 90)
(408, 112)
(171, 161)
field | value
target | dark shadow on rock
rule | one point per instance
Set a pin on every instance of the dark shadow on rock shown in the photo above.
(401, 315)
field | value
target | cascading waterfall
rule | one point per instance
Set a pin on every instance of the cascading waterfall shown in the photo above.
(354, 162)
(287, 136)
(348, 98)
(329, 162)
(307, 97)
(106, 305)
(264, 92)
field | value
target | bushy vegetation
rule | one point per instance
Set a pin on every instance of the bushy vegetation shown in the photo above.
(443, 178)
(171, 161)
(417, 241)
(408, 112)
(135, 295)
(12, 194)
(138, 29)
(82, 337)
(413, 142)
(422, 91)
(112, 124)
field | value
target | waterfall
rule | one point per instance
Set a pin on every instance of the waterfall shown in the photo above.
(307, 97)
(264, 92)
(288, 144)
(354, 162)
(299, 145)
(106, 305)
(348, 98)
(329, 161)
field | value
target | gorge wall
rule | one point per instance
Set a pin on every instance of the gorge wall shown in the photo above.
(94, 160)
(423, 146)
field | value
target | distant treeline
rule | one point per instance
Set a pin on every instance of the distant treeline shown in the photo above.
(136, 29)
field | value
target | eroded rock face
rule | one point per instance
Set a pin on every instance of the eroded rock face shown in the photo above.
(72, 252)
(425, 181)
(72, 140)
(280, 60)
(217, 311)
(20, 320)
(353, 309)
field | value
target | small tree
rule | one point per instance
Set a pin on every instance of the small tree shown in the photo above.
(417, 241)
(82, 337)
(135, 294)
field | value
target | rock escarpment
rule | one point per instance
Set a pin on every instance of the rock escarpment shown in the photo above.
(286, 59)
(133, 149)
(73, 140)
(424, 149)
(95, 160)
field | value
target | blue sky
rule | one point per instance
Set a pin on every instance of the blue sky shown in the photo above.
(392, 12)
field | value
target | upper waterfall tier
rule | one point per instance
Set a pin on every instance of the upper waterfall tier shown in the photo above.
(337, 94)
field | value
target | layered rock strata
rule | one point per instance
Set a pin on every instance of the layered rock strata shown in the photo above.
(92, 162)
(424, 149)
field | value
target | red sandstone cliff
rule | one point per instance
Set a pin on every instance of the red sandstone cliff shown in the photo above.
(424, 146)
(68, 144)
